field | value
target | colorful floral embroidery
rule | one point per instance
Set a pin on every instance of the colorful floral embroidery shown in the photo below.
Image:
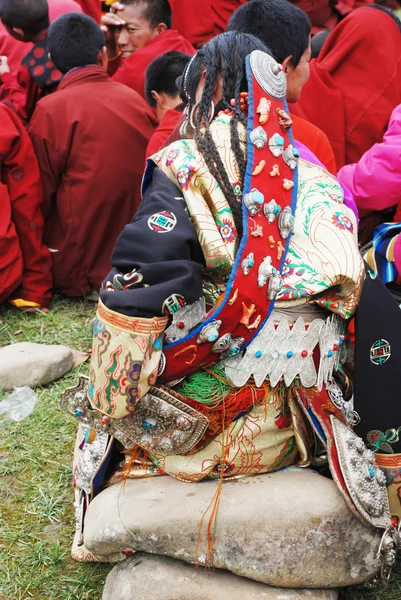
(380, 442)
(227, 231)
(184, 175)
(342, 222)
(172, 155)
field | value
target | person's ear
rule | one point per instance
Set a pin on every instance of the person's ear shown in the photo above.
(287, 63)
(158, 98)
(101, 59)
(19, 31)
(161, 28)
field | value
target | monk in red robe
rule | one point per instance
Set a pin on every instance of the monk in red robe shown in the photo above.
(199, 26)
(92, 8)
(138, 31)
(325, 14)
(355, 83)
(25, 263)
(15, 50)
(162, 95)
(90, 138)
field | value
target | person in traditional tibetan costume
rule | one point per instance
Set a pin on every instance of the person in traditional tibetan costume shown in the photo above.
(222, 328)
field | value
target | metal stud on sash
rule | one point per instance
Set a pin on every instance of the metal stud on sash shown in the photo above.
(275, 285)
(286, 222)
(291, 156)
(265, 271)
(248, 263)
(258, 137)
(210, 332)
(222, 344)
(276, 144)
(253, 201)
(271, 210)
(234, 348)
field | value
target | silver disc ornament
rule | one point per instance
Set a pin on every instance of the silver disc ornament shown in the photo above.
(269, 75)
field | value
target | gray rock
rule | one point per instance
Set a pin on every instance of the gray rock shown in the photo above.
(288, 529)
(146, 577)
(33, 364)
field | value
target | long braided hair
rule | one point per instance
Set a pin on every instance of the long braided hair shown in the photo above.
(223, 56)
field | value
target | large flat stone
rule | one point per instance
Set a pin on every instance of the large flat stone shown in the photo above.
(146, 577)
(287, 529)
(31, 364)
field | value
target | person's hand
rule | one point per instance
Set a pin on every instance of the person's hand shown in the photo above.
(109, 24)
(4, 68)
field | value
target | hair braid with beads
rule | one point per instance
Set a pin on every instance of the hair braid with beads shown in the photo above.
(223, 56)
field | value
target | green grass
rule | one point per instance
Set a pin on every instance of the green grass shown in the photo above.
(36, 517)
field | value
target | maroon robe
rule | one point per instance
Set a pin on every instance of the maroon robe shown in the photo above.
(25, 263)
(90, 138)
(198, 23)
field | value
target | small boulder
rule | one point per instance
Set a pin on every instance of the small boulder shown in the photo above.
(146, 577)
(289, 529)
(33, 364)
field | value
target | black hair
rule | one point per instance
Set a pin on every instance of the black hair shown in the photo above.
(281, 26)
(318, 42)
(224, 55)
(32, 16)
(74, 41)
(387, 11)
(154, 11)
(162, 73)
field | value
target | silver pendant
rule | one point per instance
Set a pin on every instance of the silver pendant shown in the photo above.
(365, 482)
(258, 137)
(269, 74)
(222, 344)
(248, 263)
(185, 319)
(271, 210)
(209, 333)
(265, 271)
(234, 348)
(275, 285)
(276, 144)
(253, 200)
(286, 222)
(291, 156)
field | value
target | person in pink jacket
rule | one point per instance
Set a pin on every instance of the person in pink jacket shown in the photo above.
(375, 183)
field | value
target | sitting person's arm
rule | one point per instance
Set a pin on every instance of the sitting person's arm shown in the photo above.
(375, 181)
(157, 268)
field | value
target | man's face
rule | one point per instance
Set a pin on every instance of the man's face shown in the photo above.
(298, 76)
(136, 32)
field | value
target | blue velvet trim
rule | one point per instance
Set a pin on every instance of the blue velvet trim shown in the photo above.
(147, 176)
(316, 424)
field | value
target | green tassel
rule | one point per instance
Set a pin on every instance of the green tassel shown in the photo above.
(204, 387)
